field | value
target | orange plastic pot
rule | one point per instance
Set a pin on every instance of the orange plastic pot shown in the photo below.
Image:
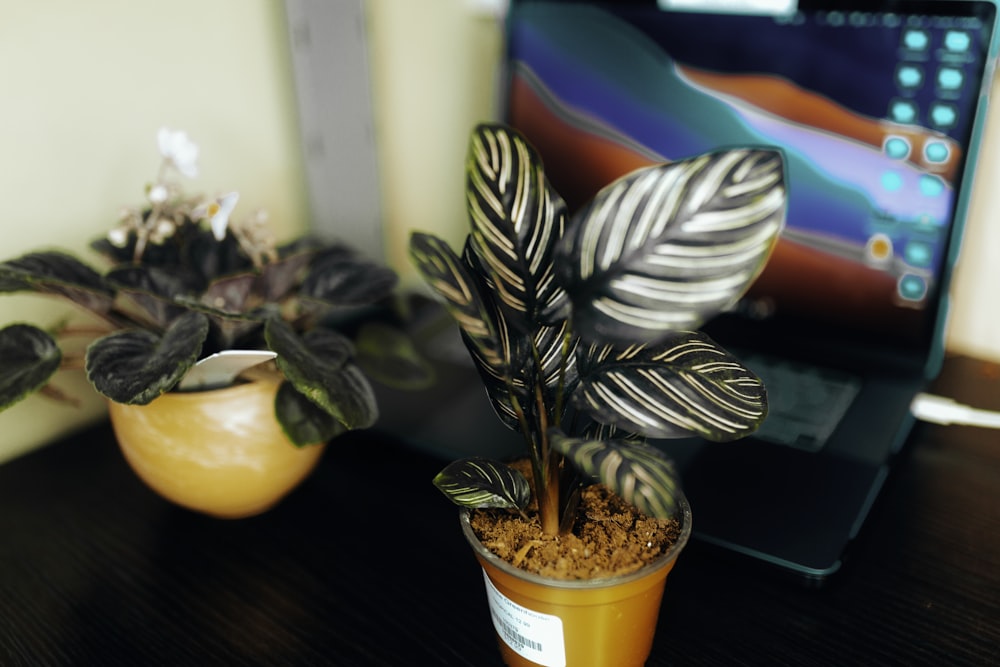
(219, 452)
(542, 622)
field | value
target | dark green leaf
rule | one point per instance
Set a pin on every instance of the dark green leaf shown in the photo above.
(231, 326)
(304, 422)
(278, 279)
(28, 357)
(151, 290)
(639, 473)
(59, 274)
(517, 219)
(230, 295)
(389, 356)
(684, 385)
(317, 365)
(480, 483)
(136, 366)
(668, 246)
(347, 281)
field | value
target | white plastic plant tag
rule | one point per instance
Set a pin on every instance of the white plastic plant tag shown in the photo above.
(537, 637)
(221, 368)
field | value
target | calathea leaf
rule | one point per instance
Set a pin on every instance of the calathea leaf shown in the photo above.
(639, 473)
(60, 274)
(28, 357)
(684, 385)
(556, 350)
(516, 220)
(318, 365)
(136, 366)
(667, 246)
(480, 483)
(448, 276)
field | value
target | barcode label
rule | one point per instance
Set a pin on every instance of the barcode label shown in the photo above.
(532, 635)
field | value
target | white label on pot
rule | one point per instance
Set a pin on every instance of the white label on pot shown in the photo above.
(537, 637)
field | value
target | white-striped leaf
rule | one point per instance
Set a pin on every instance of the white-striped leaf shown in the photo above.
(667, 246)
(684, 385)
(516, 219)
(639, 473)
(480, 483)
(452, 280)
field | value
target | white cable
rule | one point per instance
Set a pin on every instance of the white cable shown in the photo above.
(946, 411)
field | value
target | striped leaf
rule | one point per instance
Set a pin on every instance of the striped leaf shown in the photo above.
(480, 483)
(685, 385)
(639, 473)
(516, 219)
(552, 345)
(457, 286)
(666, 247)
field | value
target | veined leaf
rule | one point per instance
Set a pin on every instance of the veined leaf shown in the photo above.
(639, 473)
(389, 356)
(151, 290)
(347, 280)
(685, 385)
(447, 275)
(480, 483)
(135, 366)
(318, 365)
(517, 219)
(552, 345)
(666, 247)
(304, 422)
(28, 357)
(57, 273)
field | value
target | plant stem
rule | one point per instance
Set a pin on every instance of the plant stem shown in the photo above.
(548, 499)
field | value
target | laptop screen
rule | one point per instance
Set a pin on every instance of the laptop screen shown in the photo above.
(876, 106)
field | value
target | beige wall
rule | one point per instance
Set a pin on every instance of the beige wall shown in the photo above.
(432, 65)
(86, 85)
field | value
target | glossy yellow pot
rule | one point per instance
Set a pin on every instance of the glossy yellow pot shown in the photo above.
(220, 452)
(542, 622)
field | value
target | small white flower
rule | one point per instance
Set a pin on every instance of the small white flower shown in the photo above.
(118, 237)
(218, 213)
(162, 231)
(177, 149)
(158, 193)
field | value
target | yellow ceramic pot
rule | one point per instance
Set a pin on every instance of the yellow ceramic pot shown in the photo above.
(220, 452)
(541, 622)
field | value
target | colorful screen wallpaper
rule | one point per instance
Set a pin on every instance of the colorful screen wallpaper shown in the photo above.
(873, 112)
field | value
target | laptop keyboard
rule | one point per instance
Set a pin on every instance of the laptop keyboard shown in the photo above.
(805, 402)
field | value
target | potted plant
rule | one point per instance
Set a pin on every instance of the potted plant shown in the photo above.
(192, 305)
(583, 329)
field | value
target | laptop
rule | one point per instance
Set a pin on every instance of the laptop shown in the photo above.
(878, 108)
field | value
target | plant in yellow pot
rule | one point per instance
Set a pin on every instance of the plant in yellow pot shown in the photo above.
(582, 329)
(229, 360)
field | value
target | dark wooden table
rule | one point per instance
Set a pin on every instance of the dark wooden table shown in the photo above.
(364, 565)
